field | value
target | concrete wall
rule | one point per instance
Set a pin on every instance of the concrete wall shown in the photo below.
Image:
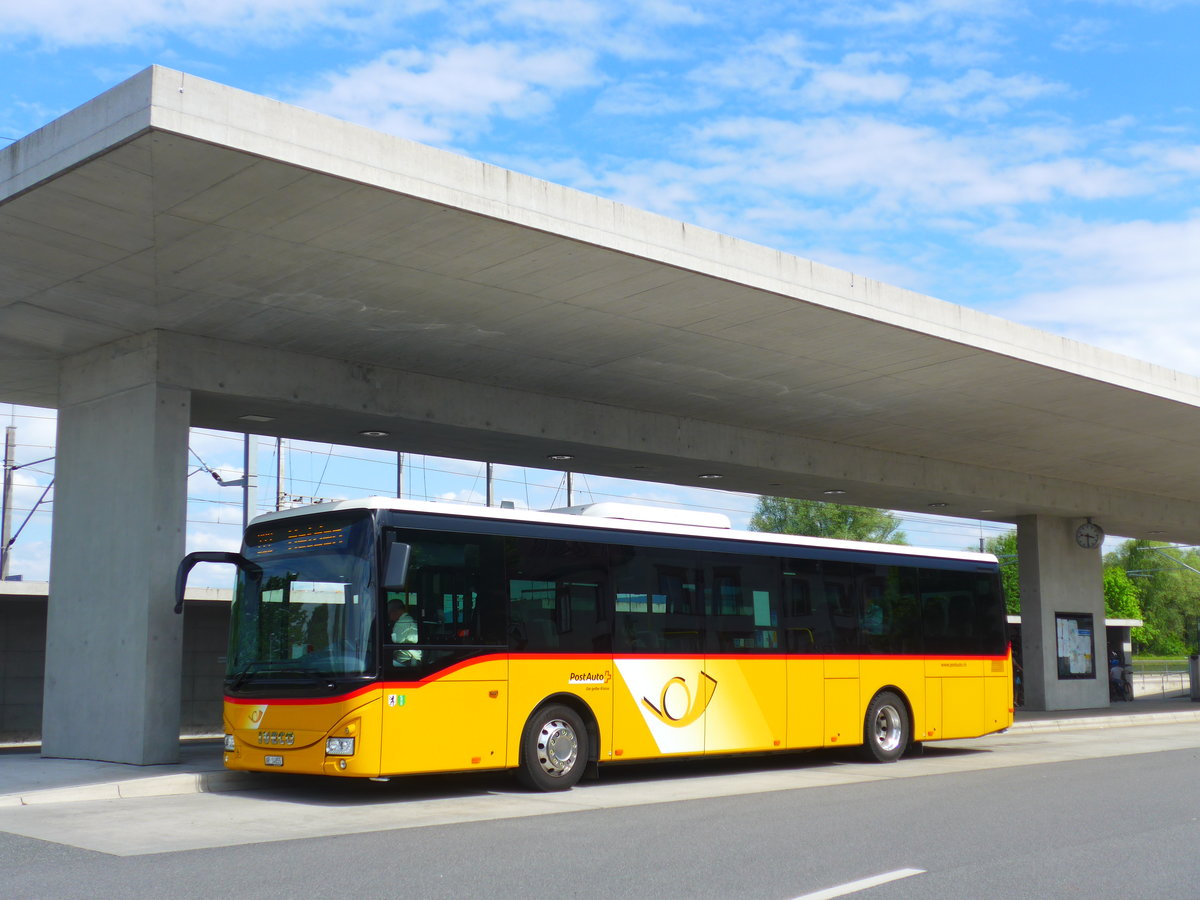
(22, 663)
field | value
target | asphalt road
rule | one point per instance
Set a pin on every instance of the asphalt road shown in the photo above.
(1104, 813)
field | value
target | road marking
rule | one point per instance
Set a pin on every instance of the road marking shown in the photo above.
(862, 884)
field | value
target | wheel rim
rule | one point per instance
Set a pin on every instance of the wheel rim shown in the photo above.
(888, 729)
(557, 747)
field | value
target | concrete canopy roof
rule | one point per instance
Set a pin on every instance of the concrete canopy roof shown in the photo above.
(336, 279)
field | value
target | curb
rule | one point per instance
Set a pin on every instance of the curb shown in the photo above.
(154, 786)
(1047, 726)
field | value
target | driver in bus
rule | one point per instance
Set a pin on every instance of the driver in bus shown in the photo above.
(404, 631)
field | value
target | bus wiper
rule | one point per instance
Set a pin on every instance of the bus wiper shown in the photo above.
(317, 676)
(240, 678)
(279, 667)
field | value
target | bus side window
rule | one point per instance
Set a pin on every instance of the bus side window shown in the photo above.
(804, 619)
(959, 612)
(745, 609)
(890, 620)
(555, 592)
(659, 600)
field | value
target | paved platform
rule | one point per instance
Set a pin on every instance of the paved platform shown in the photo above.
(27, 778)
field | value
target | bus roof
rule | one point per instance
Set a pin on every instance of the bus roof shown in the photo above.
(656, 520)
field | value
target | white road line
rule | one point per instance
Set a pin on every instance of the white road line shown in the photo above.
(862, 884)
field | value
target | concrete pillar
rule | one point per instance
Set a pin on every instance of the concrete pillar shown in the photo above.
(113, 644)
(1058, 577)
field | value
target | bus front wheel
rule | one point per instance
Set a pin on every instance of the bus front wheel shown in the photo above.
(554, 749)
(885, 731)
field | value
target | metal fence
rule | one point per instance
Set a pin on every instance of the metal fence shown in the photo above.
(1159, 676)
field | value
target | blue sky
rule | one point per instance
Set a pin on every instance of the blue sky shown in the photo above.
(1037, 161)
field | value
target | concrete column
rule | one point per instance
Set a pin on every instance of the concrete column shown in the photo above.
(113, 644)
(1058, 576)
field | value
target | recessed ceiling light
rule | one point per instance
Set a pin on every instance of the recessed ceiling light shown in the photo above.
(987, 510)
(372, 433)
(938, 505)
(833, 492)
(709, 476)
(559, 457)
(253, 418)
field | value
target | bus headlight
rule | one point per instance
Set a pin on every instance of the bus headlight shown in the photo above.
(339, 746)
(230, 745)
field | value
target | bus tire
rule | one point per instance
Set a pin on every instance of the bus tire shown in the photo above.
(886, 729)
(554, 749)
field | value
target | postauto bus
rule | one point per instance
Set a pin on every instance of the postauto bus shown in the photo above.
(382, 637)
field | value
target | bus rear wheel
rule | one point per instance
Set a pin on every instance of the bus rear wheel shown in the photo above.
(554, 749)
(886, 729)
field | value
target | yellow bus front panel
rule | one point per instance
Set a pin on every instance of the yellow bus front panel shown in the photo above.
(290, 735)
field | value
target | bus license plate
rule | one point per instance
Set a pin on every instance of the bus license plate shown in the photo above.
(274, 760)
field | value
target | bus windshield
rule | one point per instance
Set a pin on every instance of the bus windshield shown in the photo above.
(307, 616)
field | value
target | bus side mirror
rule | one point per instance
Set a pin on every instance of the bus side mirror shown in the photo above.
(216, 556)
(395, 572)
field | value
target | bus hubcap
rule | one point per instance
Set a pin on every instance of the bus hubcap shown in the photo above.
(887, 728)
(557, 747)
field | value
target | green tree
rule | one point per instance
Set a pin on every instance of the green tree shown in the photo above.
(785, 515)
(1167, 589)
(1004, 548)
(1120, 595)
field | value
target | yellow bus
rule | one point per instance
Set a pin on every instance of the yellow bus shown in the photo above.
(382, 637)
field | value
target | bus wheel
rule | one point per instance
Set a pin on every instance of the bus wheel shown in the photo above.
(554, 750)
(885, 732)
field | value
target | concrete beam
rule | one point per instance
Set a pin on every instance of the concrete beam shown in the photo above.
(333, 400)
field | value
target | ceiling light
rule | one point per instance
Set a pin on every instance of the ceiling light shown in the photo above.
(938, 505)
(559, 457)
(371, 433)
(833, 492)
(253, 418)
(987, 510)
(709, 476)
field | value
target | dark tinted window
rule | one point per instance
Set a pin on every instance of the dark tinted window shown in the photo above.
(805, 614)
(891, 621)
(745, 605)
(558, 596)
(961, 612)
(660, 596)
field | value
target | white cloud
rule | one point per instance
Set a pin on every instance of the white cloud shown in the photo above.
(832, 88)
(980, 94)
(899, 167)
(1130, 287)
(452, 92)
(85, 22)
(913, 13)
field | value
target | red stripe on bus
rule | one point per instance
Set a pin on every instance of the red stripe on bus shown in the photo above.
(554, 657)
